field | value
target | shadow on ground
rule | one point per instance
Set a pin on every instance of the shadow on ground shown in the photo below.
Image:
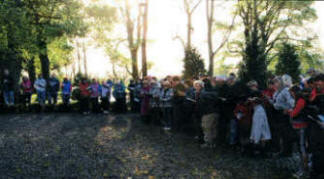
(99, 146)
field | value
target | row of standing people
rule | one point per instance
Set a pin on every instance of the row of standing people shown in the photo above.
(219, 111)
(90, 93)
(47, 90)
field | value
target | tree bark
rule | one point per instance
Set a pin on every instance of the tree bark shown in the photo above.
(189, 28)
(189, 11)
(210, 19)
(132, 45)
(145, 26)
(78, 56)
(31, 69)
(85, 59)
(43, 56)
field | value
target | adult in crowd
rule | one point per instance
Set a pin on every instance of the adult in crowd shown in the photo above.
(155, 112)
(187, 125)
(268, 99)
(209, 110)
(178, 101)
(27, 91)
(95, 91)
(131, 88)
(228, 94)
(53, 86)
(166, 96)
(260, 129)
(300, 123)
(119, 94)
(84, 96)
(8, 88)
(146, 97)
(40, 87)
(66, 91)
(137, 96)
(316, 129)
(196, 117)
(106, 87)
(283, 101)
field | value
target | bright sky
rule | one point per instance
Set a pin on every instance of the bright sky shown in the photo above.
(166, 20)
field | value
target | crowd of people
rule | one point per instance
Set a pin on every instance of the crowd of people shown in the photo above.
(268, 122)
(215, 111)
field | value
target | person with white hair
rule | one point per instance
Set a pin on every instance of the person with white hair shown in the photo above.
(154, 92)
(166, 96)
(40, 86)
(198, 86)
(283, 101)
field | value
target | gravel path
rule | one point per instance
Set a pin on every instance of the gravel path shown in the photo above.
(99, 146)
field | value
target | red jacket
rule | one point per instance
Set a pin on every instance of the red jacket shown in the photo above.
(246, 112)
(84, 89)
(299, 120)
(269, 92)
(313, 95)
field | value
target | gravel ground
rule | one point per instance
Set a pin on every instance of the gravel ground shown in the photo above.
(100, 146)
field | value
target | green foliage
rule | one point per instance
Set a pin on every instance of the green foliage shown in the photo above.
(222, 69)
(268, 23)
(60, 53)
(309, 57)
(288, 62)
(15, 35)
(34, 34)
(101, 19)
(253, 65)
(194, 65)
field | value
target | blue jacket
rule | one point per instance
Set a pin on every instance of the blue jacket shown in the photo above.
(66, 87)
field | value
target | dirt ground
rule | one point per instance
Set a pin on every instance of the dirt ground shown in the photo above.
(116, 146)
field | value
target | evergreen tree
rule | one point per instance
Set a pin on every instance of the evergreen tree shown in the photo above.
(253, 65)
(193, 64)
(288, 62)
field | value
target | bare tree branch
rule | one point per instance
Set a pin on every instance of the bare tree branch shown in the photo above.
(177, 37)
(226, 38)
(195, 7)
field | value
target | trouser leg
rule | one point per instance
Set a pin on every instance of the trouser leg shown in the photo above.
(6, 97)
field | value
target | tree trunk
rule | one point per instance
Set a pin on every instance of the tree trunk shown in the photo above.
(85, 59)
(189, 28)
(31, 69)
(133, 47)
(144, 57)
(210, 20)
(43, 56)
(78, 56)
(134, 64)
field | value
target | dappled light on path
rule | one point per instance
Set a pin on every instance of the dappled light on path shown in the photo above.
(100, 146)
